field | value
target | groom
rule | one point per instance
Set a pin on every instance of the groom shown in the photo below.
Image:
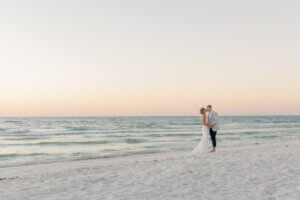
(212, 117)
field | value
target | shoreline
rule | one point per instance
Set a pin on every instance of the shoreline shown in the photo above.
(249, 172)
(143, 154)
(222, 148)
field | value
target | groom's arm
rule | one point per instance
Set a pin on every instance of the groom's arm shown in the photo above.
(215, 116)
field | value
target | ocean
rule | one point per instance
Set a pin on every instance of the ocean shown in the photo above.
(29, 141)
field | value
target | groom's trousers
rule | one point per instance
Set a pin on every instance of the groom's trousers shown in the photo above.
(213, 137)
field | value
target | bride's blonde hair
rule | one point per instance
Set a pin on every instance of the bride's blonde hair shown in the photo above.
(202, 110)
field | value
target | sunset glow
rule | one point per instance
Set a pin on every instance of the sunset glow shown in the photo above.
(114, 58)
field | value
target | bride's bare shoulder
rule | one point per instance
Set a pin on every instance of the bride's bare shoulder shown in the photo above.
(203, 118)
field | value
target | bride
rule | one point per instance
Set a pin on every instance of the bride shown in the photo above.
(204, 144)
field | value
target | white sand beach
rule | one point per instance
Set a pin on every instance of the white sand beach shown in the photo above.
(262, 171)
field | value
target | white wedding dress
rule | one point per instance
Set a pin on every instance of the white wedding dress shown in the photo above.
(203, 146)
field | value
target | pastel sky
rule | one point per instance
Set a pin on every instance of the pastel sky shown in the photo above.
(140, 57)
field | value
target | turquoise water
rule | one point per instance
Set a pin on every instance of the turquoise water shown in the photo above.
(26, 141)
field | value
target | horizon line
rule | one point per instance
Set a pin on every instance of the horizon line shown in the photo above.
(95, 116)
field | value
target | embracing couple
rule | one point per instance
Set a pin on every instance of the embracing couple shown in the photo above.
(210, 127)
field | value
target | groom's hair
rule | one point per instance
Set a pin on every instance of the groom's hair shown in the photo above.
(209, 106)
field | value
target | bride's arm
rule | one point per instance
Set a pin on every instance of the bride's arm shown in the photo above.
(204, 122)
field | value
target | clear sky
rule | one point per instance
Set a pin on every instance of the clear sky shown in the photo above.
(140, 57)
